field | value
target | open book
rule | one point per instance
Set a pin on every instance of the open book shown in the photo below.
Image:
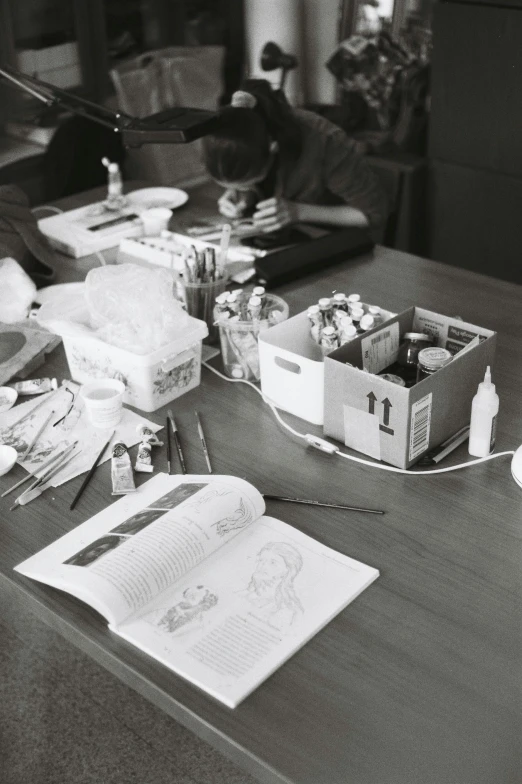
(190, 571)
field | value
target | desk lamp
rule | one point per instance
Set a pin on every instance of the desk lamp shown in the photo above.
(273, 57)
(171, 126)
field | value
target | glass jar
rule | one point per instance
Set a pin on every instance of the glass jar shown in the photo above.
(430, 360)
(411, 344)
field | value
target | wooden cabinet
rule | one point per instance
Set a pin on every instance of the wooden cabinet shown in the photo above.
(475, 146)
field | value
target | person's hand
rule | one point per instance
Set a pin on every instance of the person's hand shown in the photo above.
(233, 204)
(273, 214)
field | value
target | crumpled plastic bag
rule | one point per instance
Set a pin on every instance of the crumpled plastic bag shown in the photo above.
(17, 291)
(129, 306)
(134, 307)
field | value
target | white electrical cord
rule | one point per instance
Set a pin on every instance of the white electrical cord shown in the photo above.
(58, 211)
(329, 448)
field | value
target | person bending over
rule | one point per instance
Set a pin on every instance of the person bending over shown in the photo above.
(283, 165)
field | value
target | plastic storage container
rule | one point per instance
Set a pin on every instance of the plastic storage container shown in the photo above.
(239, 339)
(292, 368)
(151, 380)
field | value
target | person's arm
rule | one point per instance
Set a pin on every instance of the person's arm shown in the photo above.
(273, 214)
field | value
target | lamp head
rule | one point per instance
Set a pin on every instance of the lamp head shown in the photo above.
(273, 57)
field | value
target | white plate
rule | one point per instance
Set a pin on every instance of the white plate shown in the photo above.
(8, 397)
(147, 198)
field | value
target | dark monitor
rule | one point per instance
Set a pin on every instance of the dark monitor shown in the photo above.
(287, 264)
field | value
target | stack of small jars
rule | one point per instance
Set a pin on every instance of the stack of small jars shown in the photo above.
(338, 319)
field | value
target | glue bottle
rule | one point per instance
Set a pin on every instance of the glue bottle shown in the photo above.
(483, 426)
(115, 198)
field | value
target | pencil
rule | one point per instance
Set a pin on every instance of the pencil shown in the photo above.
(320, 503)
(37, 436)
(203, 441)
(177, 441)
(438, 453)
(90, 473)
(169, 447)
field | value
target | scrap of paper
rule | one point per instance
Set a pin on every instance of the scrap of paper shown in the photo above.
(18, 430)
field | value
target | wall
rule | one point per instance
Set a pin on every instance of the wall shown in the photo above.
(320, 41)
(306, 28)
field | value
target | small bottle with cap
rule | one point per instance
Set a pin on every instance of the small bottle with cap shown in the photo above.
(329, 340)
(431, 359)
(325, 306)
(340, 302)
(337, 316)
(483, 425)
(347, 331)
(356, 315)
(316, 322)
(367, 322)
(375, 311)
(115, 199)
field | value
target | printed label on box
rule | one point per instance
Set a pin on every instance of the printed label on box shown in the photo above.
(420, 426)
(461, 335)
(380, 349)
(432, 327)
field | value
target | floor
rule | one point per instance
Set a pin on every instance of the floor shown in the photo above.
(98, 732)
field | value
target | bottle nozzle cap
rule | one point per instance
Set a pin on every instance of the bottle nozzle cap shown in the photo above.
(486, 385)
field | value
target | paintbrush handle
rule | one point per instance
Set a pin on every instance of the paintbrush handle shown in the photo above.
(320, 503)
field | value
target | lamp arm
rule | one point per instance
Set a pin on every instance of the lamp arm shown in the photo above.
(170, 126)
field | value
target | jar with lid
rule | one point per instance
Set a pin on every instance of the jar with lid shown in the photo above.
(430, 360)
(411, 344)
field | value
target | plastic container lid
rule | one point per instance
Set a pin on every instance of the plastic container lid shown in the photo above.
(417, 336)
(434, 358)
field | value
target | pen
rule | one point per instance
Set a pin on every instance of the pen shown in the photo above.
(37, 436)
(320, 503)
(90, 473)
(203, 442)
(177, 441)
(169, 447)
(439, 452)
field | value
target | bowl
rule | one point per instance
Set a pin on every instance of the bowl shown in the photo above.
(8, 457)
(8, 397)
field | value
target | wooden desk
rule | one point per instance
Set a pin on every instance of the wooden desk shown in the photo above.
(419, 680)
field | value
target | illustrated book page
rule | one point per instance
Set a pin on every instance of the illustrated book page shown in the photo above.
(191, 572)
(130, 552)
(234, 619)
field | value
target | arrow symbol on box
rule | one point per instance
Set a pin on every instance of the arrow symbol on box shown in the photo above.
(386, 405)
(371, 402)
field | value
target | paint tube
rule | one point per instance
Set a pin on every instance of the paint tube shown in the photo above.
(35, 386)
(143, 462)
(121, 471)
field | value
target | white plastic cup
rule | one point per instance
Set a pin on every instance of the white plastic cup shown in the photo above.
(155, 220)
(104, 401)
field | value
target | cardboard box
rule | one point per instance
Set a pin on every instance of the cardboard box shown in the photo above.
(292, 368)
(398, 424)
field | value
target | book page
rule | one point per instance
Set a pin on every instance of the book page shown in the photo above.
(235, 619)
(123, 557)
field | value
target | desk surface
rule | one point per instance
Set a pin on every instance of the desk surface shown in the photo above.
(419, 680)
